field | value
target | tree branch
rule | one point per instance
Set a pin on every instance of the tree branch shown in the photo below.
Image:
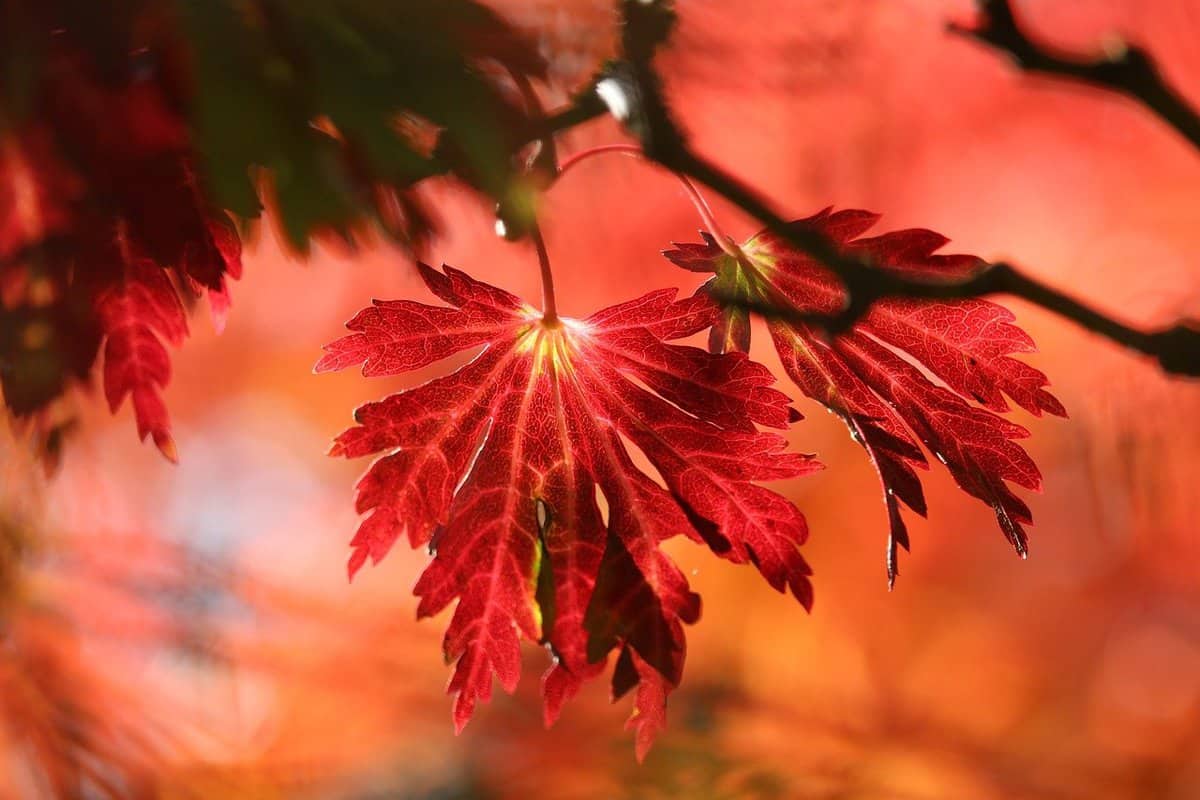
(584, 107)
(635, 98)
(1128, 69)
(1177, 349)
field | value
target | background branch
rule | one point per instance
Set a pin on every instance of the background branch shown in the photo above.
(1126, 69)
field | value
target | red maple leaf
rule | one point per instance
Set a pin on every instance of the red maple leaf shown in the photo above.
(515, 470)
(877, 376)
(134, 312)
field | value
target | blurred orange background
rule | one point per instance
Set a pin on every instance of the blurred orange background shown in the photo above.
(1073, 674)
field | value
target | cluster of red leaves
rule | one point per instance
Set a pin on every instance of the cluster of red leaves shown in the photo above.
(106, 233)
(516, 469)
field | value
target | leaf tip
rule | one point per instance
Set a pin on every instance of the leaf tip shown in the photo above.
(1052, 405)
(464, 706)
(803, 591)
(1022, 547)
(166, 446)
(355, 563)
(324, 364)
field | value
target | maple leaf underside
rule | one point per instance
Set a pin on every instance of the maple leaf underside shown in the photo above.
(499, 465)
(910, 373)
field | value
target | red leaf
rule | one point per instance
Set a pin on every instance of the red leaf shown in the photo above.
(880, 377)
(135, 314)
(504, 465)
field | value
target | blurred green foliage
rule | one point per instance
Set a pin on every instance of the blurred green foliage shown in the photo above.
(325, 109)
(333, 97)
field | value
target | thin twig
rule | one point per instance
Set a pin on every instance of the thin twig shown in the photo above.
(549, 305)
(1126, 69)
(585, 107)
(707, 219)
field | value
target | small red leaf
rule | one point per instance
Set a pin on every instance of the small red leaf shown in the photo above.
(135, 315)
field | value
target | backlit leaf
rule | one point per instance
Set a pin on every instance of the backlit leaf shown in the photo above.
(909, 373)
(519, 471)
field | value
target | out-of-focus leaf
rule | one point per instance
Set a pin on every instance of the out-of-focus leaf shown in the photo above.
(268, 75)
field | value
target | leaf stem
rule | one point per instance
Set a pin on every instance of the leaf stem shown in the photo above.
(549, 305)
(702, 207)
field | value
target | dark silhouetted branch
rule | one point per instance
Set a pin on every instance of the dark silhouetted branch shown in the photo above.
(1126, 69)
(633, 94)
(1177, 349)
(631, 90)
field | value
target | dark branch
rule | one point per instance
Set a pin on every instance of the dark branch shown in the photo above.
(584, 107)
(647, 116)
(1128, 70)
(1176, 349)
